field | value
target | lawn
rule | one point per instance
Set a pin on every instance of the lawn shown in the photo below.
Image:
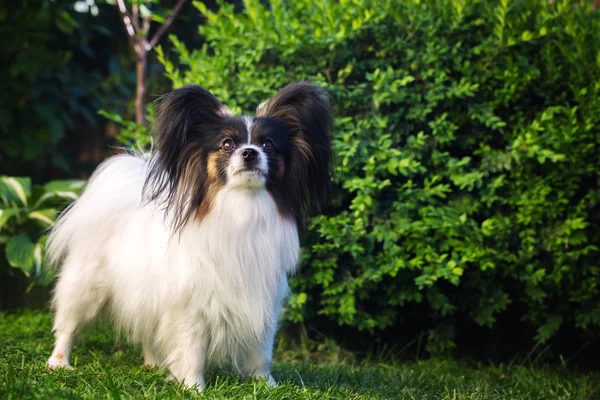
(107, 368)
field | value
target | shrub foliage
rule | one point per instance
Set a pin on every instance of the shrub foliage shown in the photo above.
(467, 139)
(26, 213)
(60, 65)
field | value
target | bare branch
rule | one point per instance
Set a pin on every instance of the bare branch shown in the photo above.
(126, 18)
(146, 30)
(135, 11)
(164, 27)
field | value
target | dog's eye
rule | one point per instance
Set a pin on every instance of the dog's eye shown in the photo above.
(227, 145)
(267, 145)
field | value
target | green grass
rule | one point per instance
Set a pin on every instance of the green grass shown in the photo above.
(105, 368)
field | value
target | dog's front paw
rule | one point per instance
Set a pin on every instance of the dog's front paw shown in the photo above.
(196, 384)
(57, 361)
(271, 381)
(198, 387)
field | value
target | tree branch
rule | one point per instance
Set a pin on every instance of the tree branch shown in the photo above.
(131, 29)
(126, 18)
(135, 11)
(164, 27)
(146, 29)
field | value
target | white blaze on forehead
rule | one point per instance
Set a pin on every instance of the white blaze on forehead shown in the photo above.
(249, 122)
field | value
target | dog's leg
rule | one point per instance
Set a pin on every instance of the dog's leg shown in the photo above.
(187, 356)
(62, 350)
(257, 363)
(77, 301)
(150, 355)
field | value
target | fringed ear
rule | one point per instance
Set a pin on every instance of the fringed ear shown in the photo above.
(305, 109)
(177, 175)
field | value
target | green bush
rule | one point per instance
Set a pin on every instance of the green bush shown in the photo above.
(26, 213)
(59, 66)
(467, 139)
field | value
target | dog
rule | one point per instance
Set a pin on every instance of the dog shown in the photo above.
(188, 249)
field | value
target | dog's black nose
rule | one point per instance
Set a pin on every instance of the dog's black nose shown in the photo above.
(249, 154)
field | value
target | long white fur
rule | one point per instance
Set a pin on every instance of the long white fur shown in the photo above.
(212, 293)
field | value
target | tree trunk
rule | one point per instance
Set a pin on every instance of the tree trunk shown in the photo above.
(140, 93)
(138, 38)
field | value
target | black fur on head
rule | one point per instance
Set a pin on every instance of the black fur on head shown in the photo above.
(184, 127)
(305, 110)
(198, 144)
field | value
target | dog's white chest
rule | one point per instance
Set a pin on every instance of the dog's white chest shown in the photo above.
(244, 234)
(244, 251)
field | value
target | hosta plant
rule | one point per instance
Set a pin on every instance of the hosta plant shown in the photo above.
(26, 213)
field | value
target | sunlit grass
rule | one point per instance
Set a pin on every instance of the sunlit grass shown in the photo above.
(105, 368)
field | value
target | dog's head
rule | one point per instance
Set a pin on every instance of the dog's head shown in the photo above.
(200, 147)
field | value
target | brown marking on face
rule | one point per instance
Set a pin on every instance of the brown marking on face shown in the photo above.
(212, 166)
(216, 165)
(208, 202)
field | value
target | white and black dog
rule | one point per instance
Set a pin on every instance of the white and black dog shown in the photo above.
(188, 250)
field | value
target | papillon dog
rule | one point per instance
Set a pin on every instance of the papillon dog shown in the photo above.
(188, 249)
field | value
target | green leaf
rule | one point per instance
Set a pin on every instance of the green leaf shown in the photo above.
(65, 22)
(37, 260)
(66, 190)
(200, 6)
(15, 188)
(545, 332)
(46, 217)
(45, 276)
(20, 253)
(145, 11)
(526, 36)
(487, 227)
(158, 18)
(65, 186)
(111, 116)
(6, 214)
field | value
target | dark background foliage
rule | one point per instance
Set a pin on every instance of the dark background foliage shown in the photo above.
(60, 64)
(60, 67)
(465, 214)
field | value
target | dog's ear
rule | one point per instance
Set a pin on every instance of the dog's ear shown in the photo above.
(306, 111)
(184, 114)
(176, 176)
